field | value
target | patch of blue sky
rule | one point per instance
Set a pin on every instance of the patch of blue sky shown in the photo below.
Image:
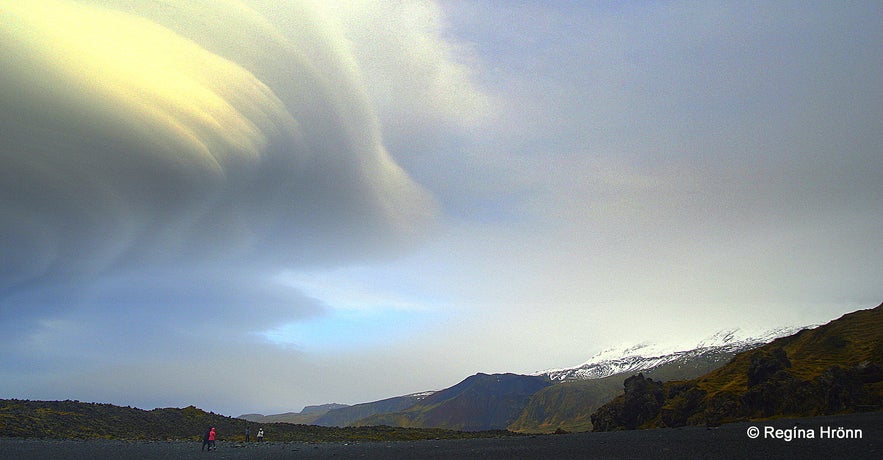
(347, 330)
(362, 288)
(365, 307)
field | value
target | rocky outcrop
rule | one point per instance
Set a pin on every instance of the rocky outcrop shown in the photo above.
(638, 406)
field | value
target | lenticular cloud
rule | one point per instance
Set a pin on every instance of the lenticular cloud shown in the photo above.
(187, 133)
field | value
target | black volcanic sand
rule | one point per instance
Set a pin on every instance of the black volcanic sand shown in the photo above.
(727, 441)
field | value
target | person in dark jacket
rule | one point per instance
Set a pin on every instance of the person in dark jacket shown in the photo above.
(205, 439)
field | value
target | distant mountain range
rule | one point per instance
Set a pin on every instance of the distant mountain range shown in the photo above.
(548, 401)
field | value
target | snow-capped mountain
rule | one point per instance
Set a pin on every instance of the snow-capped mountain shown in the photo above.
(646, 356)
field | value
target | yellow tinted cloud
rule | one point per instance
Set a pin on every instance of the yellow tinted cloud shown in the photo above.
(202, 108)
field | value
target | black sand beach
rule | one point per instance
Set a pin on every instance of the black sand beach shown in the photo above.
(819, 437)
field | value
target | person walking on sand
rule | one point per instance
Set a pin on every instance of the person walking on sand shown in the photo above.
(205, 439)
(212, 436)
(260, 435)
(247, 434)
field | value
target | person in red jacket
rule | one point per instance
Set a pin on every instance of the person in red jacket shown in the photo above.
(212, 436)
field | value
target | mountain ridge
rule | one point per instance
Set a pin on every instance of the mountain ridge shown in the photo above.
(479, 402)
(619, 360)
(831, 369)
(307, 416)
(346, 416)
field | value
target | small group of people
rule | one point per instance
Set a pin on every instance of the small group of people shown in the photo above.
(248, 434)
(209, 438)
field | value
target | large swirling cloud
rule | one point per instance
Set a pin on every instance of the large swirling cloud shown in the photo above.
(156, 133)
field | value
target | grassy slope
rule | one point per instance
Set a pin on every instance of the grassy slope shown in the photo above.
(479, 402)
(566, 405)
(348, 415)
(852, 339)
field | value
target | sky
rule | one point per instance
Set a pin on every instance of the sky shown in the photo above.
(252, 206)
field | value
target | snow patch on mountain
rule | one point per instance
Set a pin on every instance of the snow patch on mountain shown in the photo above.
(647, 355)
